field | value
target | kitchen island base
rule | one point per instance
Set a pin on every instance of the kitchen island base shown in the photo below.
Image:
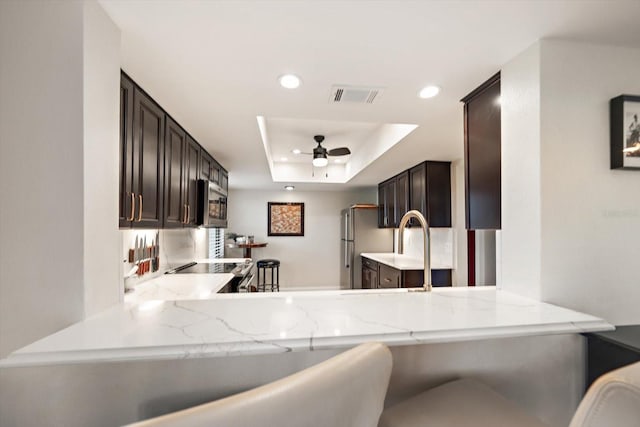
(544, 374)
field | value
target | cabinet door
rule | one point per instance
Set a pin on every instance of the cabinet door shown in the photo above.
(418, 189)
(390, 203)
(215, 172)
(127, 198)
(402, 196)
(374, 279)
(389, 277)
(205, 164)
(381, 205)
(174, 157)
(366, 278)
(482, 143)
(192, 159)
(224, 179)
(438, 194)
(148, 139)
(430, 192)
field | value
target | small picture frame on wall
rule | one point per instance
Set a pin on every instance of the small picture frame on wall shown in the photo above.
(285, 219)
(625, 132)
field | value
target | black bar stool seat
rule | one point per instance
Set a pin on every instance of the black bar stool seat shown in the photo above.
(265, 266)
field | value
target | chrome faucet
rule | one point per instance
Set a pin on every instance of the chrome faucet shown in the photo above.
(426, 287)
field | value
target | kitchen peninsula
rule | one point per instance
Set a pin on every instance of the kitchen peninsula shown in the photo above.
(252, 324)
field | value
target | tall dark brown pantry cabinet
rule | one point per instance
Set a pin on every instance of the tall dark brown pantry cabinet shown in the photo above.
(482, 144)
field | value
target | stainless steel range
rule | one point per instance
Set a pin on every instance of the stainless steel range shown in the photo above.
(240, 270)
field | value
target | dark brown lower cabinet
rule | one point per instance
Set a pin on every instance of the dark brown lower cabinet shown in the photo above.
(611, 350)
(377, 275)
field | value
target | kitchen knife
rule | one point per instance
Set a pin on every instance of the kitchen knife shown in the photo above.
(152, 256)
(135, 252)
(157, 250)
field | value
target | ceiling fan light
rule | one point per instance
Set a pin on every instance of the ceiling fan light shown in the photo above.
(320, 161)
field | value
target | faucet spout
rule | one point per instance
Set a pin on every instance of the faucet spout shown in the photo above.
(427, 243)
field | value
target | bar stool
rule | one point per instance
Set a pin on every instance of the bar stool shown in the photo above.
(268, 265)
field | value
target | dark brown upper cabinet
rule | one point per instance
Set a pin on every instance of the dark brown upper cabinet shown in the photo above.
(482, 142)
(145, 193)
(402, 196)
(160, 164)
(393, 200)
(206, 162)
(182, 159)
(425, 187)
(430, 192)
(224, 179)
(191, 167)
(127, 199)
(387, 203)
(175, 208)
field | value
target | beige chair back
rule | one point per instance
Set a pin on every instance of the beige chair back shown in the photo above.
(612, 401)
(347, 390)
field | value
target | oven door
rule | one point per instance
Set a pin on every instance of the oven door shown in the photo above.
(245, 285)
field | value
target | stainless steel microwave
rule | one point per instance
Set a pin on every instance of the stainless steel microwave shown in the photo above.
(212, 204)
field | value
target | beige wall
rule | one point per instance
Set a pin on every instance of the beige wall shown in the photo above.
(309, 262)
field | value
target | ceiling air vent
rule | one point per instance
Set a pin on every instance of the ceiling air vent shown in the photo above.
(355, 94)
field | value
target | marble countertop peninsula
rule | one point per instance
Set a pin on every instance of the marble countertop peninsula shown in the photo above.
(261, 323)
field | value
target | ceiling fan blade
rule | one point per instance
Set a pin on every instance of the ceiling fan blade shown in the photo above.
(342, 151)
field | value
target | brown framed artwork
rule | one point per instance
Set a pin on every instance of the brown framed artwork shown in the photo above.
(285, 219)
(625, 132)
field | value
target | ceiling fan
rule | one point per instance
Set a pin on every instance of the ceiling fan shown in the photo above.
(320, 153)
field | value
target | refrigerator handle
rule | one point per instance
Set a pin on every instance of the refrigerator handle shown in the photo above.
(346, 254)
(346, 225)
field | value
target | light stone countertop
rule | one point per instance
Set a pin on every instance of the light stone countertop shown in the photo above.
(261, 323)
(400, 262)
(178, 287)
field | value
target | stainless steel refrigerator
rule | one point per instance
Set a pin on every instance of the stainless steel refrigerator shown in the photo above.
(360, 233)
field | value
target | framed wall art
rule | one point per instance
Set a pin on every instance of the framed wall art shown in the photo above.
(285, 219)
(625, 132)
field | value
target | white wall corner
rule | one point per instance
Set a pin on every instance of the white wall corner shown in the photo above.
(520, 237)
(103, 280)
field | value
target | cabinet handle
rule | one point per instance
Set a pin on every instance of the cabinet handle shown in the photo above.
(140, 211)
(133, 207)
(386, 279)
(188, 214)
(184, 213)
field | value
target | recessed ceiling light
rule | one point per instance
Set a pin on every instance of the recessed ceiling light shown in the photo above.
(289, 187)
(296, 151)
(283, 159)
(289, 81)
(429, 92)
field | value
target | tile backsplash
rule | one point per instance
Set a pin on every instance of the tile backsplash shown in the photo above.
(442, 245)
(177, 247)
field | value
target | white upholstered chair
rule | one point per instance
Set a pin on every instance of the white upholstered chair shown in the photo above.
(347, 390)
(612, 401)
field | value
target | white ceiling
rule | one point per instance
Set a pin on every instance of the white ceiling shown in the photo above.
(214, 65)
